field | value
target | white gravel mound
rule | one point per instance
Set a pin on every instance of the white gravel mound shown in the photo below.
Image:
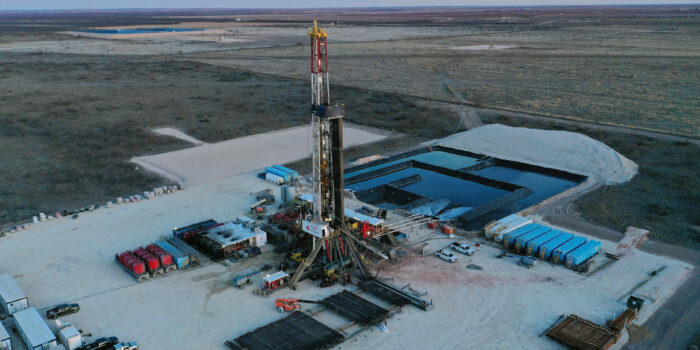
(561, 150)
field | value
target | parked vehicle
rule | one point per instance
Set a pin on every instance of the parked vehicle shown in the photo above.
(62, 310)
(462, 248)
(100, 344)
(446, 255)
(132, 345)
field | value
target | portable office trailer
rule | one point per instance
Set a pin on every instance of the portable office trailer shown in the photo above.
(70, 337)
(182, 260)
(5, 343)
(510, 236)
(521, 242)
(560, 253)
(12, 298)
(534, 245)
(498, 233)
(33, 330)
(582, 254)
(547, 249)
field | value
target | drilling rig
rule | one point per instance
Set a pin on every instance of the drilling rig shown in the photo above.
(327, 222)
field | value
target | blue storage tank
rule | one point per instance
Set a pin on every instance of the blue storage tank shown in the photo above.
(510, 236)
(294, 174)
(534, 245)
(286, 176)
(547, 249)
(182, 261)
(522, 241)
(560, 253)
(582, 253)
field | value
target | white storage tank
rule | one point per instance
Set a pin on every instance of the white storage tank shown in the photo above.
(498, 233)
(275, 179)
(12, 298)
(5, 343)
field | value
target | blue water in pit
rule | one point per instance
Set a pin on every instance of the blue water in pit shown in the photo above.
(543, 186)
(139, 30)
(438, 158)
(435, 185)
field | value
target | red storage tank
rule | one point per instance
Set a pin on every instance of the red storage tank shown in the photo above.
(123, 256)
(152, 263)
(165, 259)
(138, 268)
(432, 225)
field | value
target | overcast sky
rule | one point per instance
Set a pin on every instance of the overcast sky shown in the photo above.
(112, 4)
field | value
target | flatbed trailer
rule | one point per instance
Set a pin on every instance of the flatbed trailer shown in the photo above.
(581, 334)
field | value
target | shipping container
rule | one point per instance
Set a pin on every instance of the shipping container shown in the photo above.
(182, 261)
(582, 253)
(560, 253)
(274, 179)
(521, 242)
(547, 249)
(292, 173)
(510, 236)
(285, 176)
(12, 298)
(191, 253)
(497, 234)
(534, 245)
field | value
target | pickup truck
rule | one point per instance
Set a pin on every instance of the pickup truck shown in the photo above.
(462, 248)
(446, 255)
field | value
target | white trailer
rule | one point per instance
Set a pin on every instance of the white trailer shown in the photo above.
(494, 225)
(33, 330)
(5, 343)
(12, 298)
(497, 233)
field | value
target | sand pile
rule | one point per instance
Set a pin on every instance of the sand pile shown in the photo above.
(562, 150)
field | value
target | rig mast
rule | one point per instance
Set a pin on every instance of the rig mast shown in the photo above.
(328, 221)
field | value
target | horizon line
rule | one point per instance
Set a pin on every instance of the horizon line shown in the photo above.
(350, 7)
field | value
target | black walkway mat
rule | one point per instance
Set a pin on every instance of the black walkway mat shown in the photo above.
(297, 331)
(355, 308)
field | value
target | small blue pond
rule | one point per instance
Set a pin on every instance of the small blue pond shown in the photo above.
(543, 186)
(438, 158)
(139, 30)
(435, 185)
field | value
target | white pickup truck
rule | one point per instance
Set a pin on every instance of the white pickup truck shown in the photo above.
(462, 248)
(445, 254)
